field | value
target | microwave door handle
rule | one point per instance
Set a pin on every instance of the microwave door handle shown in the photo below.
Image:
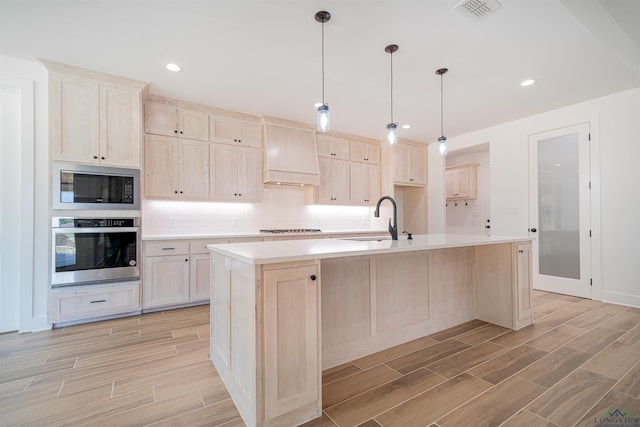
(96, 230)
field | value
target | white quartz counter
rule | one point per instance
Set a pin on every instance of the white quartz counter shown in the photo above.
(299, 250)
(258, 235)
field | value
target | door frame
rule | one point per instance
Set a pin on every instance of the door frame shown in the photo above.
(594, 252)
(26, 89)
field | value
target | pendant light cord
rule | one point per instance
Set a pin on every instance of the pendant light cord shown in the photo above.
(391, 54)
(441, 108)
(323, 63)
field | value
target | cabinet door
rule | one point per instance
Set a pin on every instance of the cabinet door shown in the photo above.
(524, 286)
(332, 146)
(166, 280)
(334, 179)
(160, 119)
(249, 134)
(222, 129)
(194, 169)
(417, 165)
(119, 126)
(224, 176)
(160, 166)
(75, 124)
(451, 184)
(249, 161)
(199, 278)
(365, 152)
(193, 124)
(365, 184)
(291, 337)
(401, 163)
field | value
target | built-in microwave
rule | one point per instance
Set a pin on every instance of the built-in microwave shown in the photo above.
(95, 187)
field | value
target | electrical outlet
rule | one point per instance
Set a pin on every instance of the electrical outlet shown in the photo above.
(172, 222)
(234, 221)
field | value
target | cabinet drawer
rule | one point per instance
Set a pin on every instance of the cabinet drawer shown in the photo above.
(166, 247)
(96, 300)
(199, 246)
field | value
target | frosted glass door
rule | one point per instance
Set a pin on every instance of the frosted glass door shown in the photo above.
(560, 212)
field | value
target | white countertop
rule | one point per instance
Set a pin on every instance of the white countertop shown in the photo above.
(299, 250)
(256, 235)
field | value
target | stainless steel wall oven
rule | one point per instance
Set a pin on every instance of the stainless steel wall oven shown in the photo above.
(94, 250)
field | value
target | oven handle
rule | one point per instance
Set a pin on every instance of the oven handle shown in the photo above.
(77, 230)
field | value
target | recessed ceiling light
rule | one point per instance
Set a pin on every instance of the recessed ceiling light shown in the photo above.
(528, 82)
(173, 67)
(557, 165)
(406, 126)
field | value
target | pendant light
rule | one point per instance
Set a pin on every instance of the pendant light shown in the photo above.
(442, 141)
(323, 109)
(392, 126)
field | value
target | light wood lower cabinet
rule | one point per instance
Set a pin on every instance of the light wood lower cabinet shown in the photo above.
(265, 320)
(166, 280)
(524, 285)
(91, 301)
(291, 331)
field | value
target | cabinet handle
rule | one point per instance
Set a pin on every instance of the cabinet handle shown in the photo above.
(98, 300)
(180, 191)
(239, 140)
(239, 194)
(168, 249)
(95, 157)
(186, 260)
(102, 157)
(181, 132)
(176, 191)
(521, 251)
(312, 277)
(175, 131)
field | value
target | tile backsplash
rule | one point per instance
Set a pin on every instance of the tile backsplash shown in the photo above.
(282, 207)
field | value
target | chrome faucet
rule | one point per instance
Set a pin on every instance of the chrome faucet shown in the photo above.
(393, 229)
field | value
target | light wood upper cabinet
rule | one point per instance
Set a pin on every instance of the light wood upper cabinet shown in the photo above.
(332, 146)
(168, 120)
(461, 182)
(231, 130)
(176, 168)
(236, 173)
(94, 122)
(365, 184)
(410, 164)
(366, 152)
(334, 179)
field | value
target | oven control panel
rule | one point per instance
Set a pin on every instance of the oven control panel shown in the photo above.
(95, 222)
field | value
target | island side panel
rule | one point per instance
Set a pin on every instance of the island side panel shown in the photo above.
(233, 332)
(494, 284)
(451, 286)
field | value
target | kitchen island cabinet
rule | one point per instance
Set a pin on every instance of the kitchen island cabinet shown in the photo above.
(281, 312)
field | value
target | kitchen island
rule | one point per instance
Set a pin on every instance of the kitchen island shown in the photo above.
(283, 311)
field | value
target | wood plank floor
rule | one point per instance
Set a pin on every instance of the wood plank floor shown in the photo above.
(580, 360)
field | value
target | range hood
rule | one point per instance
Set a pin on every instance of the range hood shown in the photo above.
(290, 153)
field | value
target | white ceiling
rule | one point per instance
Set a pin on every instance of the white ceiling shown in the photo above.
(263, 56)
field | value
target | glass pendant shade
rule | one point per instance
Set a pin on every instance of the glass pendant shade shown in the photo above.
(442, 145)
(392, 138)
(323, 118)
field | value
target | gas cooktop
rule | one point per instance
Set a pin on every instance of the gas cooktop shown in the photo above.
(292, 230)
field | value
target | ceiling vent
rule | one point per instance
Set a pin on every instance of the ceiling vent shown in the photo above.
(478, 9)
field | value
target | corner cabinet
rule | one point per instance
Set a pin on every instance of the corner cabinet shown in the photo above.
(94, 118)
(461, 182)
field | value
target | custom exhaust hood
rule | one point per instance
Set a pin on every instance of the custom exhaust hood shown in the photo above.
(290, 153)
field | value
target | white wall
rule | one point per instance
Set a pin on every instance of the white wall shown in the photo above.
(282, 207)
(31, 79)
(615, 135)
